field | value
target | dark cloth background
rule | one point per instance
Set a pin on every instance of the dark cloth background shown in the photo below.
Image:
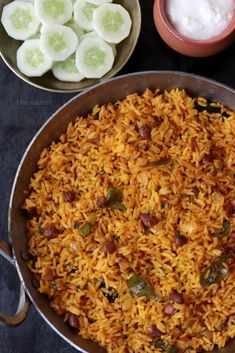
(23, 109)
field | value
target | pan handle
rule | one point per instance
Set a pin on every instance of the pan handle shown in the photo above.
(23, 306)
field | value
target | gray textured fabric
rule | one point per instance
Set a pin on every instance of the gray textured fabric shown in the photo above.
(23, 109)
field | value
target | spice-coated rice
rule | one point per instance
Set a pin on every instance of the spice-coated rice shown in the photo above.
(86, 248)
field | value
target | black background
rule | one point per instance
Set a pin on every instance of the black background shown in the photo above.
(23, 109)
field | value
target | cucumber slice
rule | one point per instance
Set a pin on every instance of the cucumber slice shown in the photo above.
(94, 57)
(58, 42)
(53, 11)
(67, 70)
(83, 14)
(19, 20)
(112, 22)
(113, 46)
(93, 34)
(99, 2)
(75, 27)
(32, 1)
(36, 36)
(30, 59)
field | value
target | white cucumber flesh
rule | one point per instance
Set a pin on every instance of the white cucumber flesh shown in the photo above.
(93, 34)
(19, 20)
(53, 11)
(75, 27)
(112, 22)
(58, 42)
(94, 57)
(36, 36)
(32, 1)
(67, 70)
(31, 61)
(83, 14)
(99, 2)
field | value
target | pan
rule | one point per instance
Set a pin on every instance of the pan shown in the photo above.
(15, 250)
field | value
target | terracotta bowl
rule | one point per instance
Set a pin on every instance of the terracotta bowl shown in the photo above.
(187, 46)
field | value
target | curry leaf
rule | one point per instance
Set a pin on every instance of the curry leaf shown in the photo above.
(141, 288)
(114, 199)
(146, 230)
(158, 163)
(223, 231)
(215, 272)
(53, 286)
(166, 346)
(210, 109)
(119, 206)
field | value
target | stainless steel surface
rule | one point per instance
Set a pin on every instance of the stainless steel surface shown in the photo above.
(23, 305)
(9, 46)
(110, 91)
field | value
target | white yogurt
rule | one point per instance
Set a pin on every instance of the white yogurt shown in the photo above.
(200, 19)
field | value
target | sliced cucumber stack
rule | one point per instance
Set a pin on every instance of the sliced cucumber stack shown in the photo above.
(19, 20)
(67, 70)
(53, 11)
(83, 14)
(112, 22)
(74, 38)
(94, 57)
(58, 42)
(31, 61)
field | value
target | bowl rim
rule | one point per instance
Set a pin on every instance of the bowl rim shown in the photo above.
(54, 90)
(116, 78)
(159, 6)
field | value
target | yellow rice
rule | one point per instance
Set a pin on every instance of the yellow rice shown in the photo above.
(179, 131)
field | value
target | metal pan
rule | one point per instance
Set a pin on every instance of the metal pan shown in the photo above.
(16, 250)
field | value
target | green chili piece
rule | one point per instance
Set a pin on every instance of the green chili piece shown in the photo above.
(223, 231)
(141, 288)
(85, 229)
(114, 199)
(158, 163)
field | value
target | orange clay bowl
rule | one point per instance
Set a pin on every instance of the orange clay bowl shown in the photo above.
(187, 46)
